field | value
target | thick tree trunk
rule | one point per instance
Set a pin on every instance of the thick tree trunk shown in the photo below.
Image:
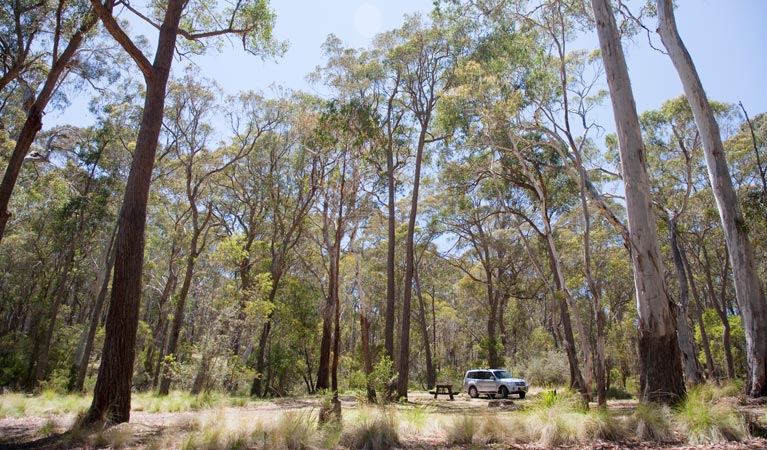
(112, 394)
(661, 377)
(692, 370)
(748, 288)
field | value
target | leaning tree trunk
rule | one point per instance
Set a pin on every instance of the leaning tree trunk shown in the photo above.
(748, 288)
(403, 366)
(661, 377)
(699, 317)
(112, 394)
(692, 370)
(721, 309)
(78, 380)
(178, 317)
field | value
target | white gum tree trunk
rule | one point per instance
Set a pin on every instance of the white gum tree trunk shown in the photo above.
(748, 289)
(661, 377)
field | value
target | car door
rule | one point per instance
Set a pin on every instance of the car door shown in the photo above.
(486, 382)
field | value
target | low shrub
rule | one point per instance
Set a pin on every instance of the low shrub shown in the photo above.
(548, 370)
(616, 393)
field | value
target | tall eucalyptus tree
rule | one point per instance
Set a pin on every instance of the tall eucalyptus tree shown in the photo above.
(748, 288)
(252, 21)
(660, 363)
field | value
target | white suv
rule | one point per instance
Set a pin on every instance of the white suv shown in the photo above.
(492, 382)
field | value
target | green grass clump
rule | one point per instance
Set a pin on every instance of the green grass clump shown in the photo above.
(47, 428)
(604, 426)
(47, 403)
(704, 421)
(13, 405)
(417, 416)
(729, 388)
(377, 431)
(177, 401)
(553, 427)
(563, 418)
(651, 422)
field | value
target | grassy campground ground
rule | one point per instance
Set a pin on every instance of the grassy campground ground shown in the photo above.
(711, 419)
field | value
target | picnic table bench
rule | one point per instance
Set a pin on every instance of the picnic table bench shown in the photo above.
(443, 389)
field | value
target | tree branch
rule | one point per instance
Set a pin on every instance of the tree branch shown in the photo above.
(111, 25)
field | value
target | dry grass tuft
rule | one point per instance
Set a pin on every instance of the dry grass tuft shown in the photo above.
(462, 430)
(375, 430)
(651, 422)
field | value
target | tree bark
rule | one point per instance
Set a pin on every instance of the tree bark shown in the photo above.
(112, 394)
(178, 317)
(367, 357)
(403, 366)
(431, 376)
(77, 382)
(748, 288)
(711, 368)
(391, 291)
(660, 363)
(692, 371)
(721, 309)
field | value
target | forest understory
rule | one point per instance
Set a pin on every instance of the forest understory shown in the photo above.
(421, 423)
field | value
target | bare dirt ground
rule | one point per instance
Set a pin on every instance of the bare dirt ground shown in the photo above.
(148, 430)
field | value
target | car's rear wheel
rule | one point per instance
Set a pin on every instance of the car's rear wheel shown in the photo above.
(473, 392)
(522, 394)
(504, 392)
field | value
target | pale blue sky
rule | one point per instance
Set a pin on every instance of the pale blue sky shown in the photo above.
(726, 39)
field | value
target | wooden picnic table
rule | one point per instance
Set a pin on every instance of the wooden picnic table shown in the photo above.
(443, 389)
